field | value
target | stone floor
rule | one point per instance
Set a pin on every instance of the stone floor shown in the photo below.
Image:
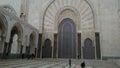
(55, 63)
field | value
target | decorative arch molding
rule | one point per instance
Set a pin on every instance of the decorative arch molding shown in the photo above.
(19, 29)
(88, 39)
(67, 12)
(9, 9)
(84, 9)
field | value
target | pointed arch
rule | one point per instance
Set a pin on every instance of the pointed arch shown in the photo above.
(82, 6)
(47, 49)
(32, 43)
(16, 30)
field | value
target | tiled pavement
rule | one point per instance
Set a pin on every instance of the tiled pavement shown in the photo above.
(54, 63)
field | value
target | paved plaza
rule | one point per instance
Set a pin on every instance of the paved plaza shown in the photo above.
(55, 63)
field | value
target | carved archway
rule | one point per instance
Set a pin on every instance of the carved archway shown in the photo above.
(32, 43)
(18, 31)
(85, 13)
(54, 14)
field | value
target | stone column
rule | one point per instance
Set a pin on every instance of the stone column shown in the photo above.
(79, 46)
(19, 48)
(39, 46)
(55, 46)
(9, 48)
(3, 45)
(21, 51)
(5, 50)
(52, 51)
(35, 52)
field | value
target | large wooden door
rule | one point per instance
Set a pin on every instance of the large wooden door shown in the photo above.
(67, 39)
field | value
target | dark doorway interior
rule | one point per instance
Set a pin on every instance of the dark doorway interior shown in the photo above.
(79, 45)
(88, 49)
(55, 46)
(47, 49)
(98, 52)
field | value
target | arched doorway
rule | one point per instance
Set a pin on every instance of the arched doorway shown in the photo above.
(32, 46)
(88, 49)
(47, 49)
(67, 39)
(15, 45)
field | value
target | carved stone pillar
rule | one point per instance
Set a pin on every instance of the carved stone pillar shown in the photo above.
(35, 52)
(21, 51)
(55, 46)
(3, 45)
(9, 48)
(39, 46)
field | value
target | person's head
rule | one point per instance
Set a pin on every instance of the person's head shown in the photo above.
(83, 61)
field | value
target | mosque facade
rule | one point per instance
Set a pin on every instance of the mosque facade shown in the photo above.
(85, 29)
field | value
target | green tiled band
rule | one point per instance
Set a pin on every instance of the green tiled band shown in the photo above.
(110, 57)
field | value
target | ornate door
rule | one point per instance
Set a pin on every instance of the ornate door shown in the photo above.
(67, 39)
(47, 49)
(88, 50)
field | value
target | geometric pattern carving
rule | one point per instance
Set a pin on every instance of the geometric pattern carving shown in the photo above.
(84, 9)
